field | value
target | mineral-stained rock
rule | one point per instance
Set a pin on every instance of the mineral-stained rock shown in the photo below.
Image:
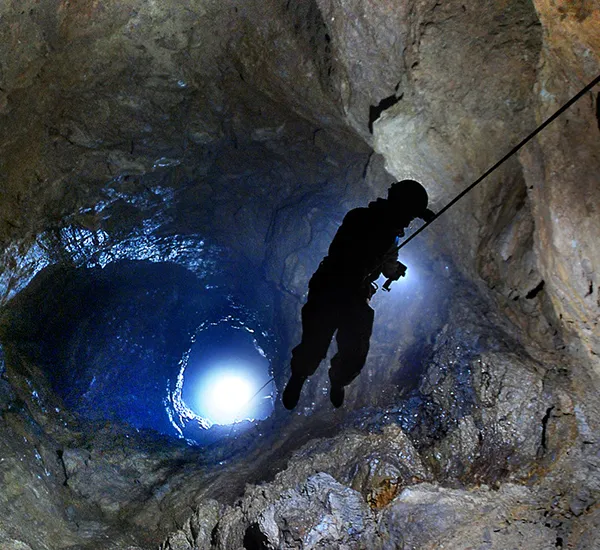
(427, 517)
(389, 455)
(489, 402)
(561, 172)
(504, 430)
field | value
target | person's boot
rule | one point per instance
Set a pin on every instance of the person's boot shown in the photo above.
(291, 393)
(336, 395)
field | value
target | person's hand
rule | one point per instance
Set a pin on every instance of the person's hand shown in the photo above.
(400, 271)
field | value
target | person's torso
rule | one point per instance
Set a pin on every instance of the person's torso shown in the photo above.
(357, 251)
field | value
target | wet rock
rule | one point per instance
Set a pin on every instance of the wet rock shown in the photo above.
(488, 404)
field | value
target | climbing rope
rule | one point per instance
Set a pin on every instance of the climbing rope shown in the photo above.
(514, 150)
(248, 401)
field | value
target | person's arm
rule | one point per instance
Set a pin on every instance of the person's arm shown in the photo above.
(392, 269)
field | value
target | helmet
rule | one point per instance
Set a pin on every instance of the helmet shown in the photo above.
(408, 196)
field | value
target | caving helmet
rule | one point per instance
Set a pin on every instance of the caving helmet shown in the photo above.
(409, 198)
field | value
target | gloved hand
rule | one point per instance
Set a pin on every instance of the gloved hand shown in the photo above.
(399, 271)
(393, 270)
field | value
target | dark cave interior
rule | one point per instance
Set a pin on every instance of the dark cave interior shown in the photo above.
(172, 174)
(137, 341)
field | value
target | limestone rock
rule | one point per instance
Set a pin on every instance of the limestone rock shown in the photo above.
(320, 512)
(425, 516)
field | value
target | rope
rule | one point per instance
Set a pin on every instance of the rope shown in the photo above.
(247, 402)
(504, 158)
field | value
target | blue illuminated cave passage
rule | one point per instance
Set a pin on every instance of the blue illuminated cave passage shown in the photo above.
(224, 379)
(150, 345)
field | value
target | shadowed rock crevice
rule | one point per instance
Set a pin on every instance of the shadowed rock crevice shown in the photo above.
(535, 291)
(376, 110)
(254, 539)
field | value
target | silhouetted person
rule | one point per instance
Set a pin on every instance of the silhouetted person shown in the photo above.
(339, 292)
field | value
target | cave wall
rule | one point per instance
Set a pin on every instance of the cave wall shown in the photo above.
(178, 103)
(251, 124)
(526, 245)
(449, 130)
(562, 170)
(146, 120)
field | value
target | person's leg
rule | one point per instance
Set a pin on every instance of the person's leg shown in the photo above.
(318, 326)
(353, 338)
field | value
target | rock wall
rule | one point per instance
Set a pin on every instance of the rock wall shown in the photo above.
(525, 244)
(134, 99)
(562, 170)
(127, 125)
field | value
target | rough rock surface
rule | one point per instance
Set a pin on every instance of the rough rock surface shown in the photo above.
(231, 138)
(530, 240)
(562, 170)
(492, 429)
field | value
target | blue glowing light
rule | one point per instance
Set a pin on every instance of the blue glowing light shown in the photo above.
(224, 379)
(224, 395)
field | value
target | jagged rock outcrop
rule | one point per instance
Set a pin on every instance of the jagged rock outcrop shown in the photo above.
(561, 172)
